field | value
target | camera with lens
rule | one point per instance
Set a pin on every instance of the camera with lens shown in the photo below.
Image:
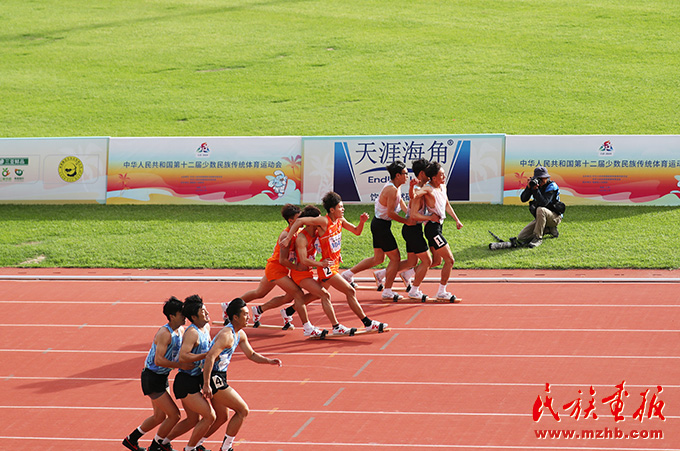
(534, 182)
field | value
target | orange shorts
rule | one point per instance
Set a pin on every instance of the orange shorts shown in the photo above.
(274, 271)
(299, 276)
(326, 273)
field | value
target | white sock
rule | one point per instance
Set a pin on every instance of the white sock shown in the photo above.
(307, 326)
(388, 291)
(414, 289)
(189, 448)
(442, 288)
(166, 441)
(200, 442)
(158, 438)
(349, 273)
(228, 441)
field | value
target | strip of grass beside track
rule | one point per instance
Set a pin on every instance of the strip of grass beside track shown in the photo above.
(244, 236)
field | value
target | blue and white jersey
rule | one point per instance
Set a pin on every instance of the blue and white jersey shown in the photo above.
(222, 362)
(172, 353)
(202, 347)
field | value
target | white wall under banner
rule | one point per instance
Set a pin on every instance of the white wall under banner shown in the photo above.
(354, 166)
(53, 170)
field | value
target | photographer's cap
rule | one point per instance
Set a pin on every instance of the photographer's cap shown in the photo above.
(541, 173)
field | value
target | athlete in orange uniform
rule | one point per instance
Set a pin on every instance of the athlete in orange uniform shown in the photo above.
(276, 274)
(330, 240)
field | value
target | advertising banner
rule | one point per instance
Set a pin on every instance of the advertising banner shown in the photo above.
(354, 166)
(598, 169)
(217, 170)
(53, 170)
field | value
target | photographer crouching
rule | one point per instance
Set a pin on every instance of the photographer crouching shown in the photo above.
(545, 207)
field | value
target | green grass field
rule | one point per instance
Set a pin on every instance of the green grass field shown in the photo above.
(319, 67)
(214, 68)
(244, 236)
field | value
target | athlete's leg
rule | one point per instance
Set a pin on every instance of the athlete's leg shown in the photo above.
(339, 283)
(229, 398)
(197, 403)
(261, 291)
(164, 407)
(392, 267)
(315, 290)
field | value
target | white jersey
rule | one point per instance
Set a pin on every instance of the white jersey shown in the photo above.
(440, 201)
(381, 210)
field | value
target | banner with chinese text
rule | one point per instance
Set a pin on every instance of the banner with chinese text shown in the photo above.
(216, 170)
(598, 169)
(354, 166)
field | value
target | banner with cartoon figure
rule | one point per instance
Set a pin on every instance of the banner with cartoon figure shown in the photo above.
(598, 169)
(217, 170)
(354, 166)
(53, 170)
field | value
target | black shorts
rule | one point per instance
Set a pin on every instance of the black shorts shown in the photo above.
(153, 383)
(186, 384)
(433, 233)
(415, 241)
(218, 381)
(382, 235)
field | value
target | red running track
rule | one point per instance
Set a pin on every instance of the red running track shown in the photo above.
(462, 376)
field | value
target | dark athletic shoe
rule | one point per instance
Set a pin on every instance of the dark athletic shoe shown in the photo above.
(133, 446)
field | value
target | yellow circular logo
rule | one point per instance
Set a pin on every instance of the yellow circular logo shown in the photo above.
(70, 169)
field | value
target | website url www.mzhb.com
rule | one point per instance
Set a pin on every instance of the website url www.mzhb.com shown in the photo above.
(605, 433)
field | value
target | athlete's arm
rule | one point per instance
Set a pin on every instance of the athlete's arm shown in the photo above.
(162, 339)
(251, 354)
(393, 199)
(355, 229)
(301, 222)
(449, 210)
(189, 341)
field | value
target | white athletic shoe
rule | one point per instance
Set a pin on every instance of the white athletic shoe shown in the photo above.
(379, 276)
(445, 296)
(256, 316)
(286, 319)
(391, 295)
(314, 332)
(345, 275)
(416, 294)
(376, 326)
(407, 277)
(224, 312)
(341, 330)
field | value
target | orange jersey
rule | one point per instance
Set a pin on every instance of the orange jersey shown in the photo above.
(274, 269)
(331, 243)
(311, 251)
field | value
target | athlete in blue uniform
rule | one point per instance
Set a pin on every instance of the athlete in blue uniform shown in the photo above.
(215, 386)
(162, 357)
(188, 382)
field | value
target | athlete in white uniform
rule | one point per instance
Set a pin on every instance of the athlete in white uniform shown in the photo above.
(387, 208)
(162, 357)
(437, 202)
(215, 386)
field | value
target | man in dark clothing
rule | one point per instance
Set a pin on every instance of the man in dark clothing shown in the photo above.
(545, 195)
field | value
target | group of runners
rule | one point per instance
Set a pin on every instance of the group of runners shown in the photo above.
(201, 382)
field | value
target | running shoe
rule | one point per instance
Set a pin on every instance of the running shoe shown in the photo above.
(417, 294)
(132, 446)
(224, 313)
(376, 326)
(256, 316)
(287, 320)
(379, 276)
(407, 278)
(345, 275)
(315, 332)
(341, 330)
(391, 295)
(445, 296)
